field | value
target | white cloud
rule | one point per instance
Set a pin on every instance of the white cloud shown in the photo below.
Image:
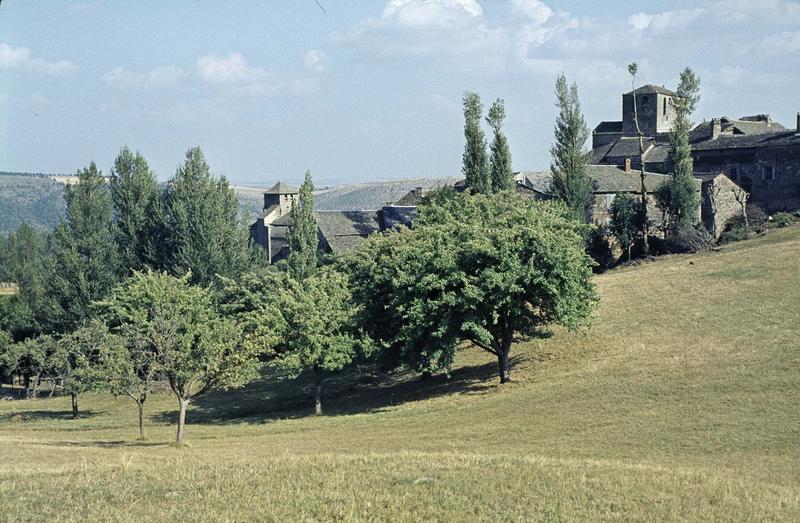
(785, 42)
(538, 12)
(158, 78)
(316, 60)
(667, 20)
(431, 13)
(87, 8)
(21, 58)
(227, 69)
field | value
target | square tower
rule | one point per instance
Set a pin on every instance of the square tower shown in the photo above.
(654, 107)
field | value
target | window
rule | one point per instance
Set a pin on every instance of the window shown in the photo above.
(665, 106)
(733, 171)
(767, 173)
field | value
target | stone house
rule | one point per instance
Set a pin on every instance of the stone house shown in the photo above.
(338, 231)
(608, 181)
(755, 152)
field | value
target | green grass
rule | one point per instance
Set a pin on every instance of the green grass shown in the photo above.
(682, 402)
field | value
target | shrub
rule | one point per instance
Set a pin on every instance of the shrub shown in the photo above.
(783, 219)
(735, 232)
(598, 247)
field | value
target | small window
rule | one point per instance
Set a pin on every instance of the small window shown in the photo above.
(734, 173)
(767, 173)
(665, 106)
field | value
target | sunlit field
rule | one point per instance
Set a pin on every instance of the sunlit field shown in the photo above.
(681, 401)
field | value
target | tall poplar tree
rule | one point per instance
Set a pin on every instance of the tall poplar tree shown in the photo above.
(633, 70)
(679, 198)
(202, 230)
(302, 235)
(475, 165)
(571, 183)
(135, 194)
(501, 172)
(86, 265)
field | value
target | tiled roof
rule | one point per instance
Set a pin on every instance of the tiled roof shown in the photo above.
(650, 89)
(281, 188)
(607, 179)
(539, 181)
(628, 147)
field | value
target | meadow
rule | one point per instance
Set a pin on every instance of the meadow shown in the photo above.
(680, 402)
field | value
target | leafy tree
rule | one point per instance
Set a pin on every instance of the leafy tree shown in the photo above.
(475, 162)
(502, 176)
(29, 359)
(318, 330)
(131, 366)
(484, 269)
(678, 198)
(85, 259)
(626, 216)
(633, 69)
(25, 259)
(571, 183)
(203, 234)
(78, 360)
(195, 347)
(302, 235)
(136, 199)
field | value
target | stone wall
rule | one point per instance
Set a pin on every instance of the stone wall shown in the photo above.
(719, 204)
(770, 174)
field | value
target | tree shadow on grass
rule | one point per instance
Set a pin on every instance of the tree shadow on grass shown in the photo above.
(105, 444)
(35, 415)
(354, 391)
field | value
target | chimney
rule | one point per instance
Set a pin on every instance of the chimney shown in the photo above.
(716, 128)
(627, 165)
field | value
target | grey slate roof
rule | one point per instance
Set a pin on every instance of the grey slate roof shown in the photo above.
(609, 127)
(652, 89)
(346, 230)
(746, 141)
(628, 147)
(607, 179)
(281, 188)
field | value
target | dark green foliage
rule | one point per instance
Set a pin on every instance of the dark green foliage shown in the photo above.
(500, 169)
(475, 166)
(484, 269)
(85, 259)
(34, 200)
(599, 248)
(571, 183)
(302, 236)
(626, 218)
(783, 219)
(25, 260)
(202, 231)
(137, 208)
(678, 198)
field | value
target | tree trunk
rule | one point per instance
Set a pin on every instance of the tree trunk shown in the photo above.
(140, 404)
(74, 405)
(181, 419)
(317, 392)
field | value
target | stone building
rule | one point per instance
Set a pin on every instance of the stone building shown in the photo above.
(755, 152)
(338, 231)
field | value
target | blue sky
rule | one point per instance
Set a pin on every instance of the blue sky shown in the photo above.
(366, 90)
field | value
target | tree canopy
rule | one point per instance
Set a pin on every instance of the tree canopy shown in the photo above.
(483, 269)
(302, 235)
(501, 172)
(475, 162)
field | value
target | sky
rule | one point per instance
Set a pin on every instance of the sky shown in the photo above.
(359, 90)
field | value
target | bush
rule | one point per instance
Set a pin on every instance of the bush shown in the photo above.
(690, 240)
(735, 232)
(783, 219)
(599, 248)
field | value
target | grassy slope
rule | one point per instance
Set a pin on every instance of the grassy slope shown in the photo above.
(681, 402)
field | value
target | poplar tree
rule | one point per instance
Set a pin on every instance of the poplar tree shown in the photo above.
(302, 235)
(202, 231)
(633, 70)
(571, 183)
(679, 198)
(475, 165)
(84, 254)
(135, 195)
(502, 176)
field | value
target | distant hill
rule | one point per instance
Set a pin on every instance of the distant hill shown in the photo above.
(38, 198)
(31, 198)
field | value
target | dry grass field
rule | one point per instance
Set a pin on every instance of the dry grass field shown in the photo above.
(681, 402)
